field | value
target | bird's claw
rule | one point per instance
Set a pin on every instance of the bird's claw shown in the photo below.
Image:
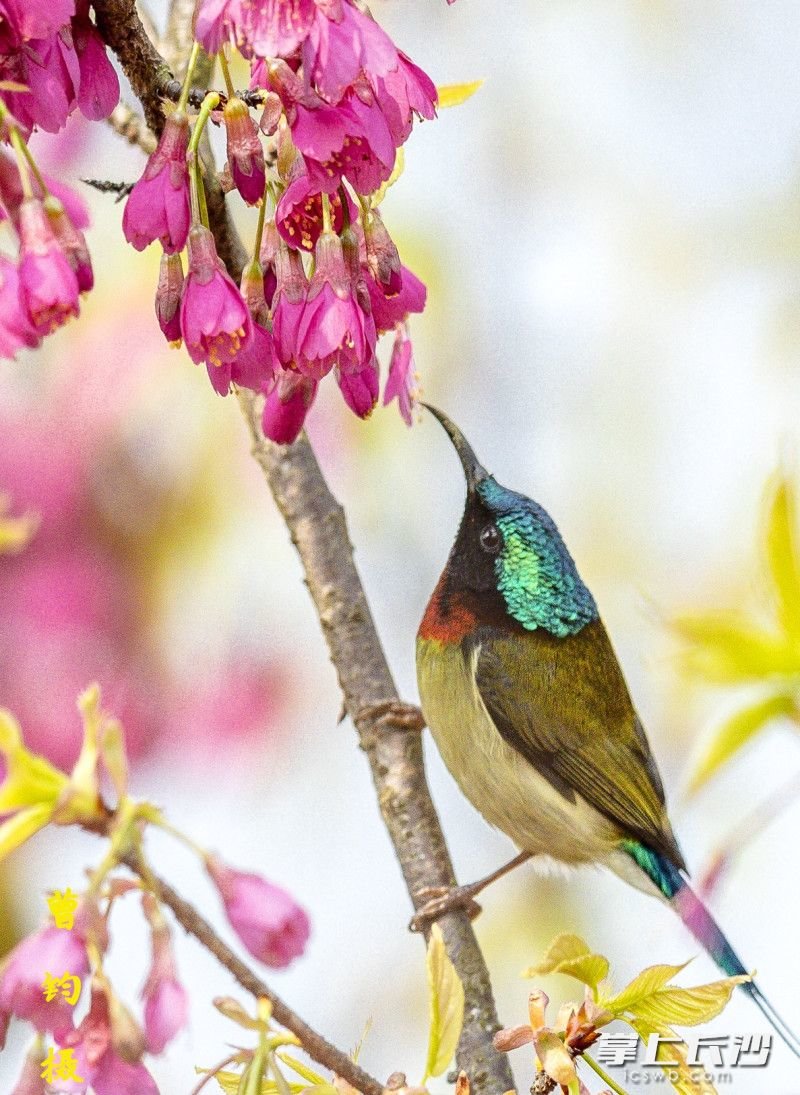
(442, 900)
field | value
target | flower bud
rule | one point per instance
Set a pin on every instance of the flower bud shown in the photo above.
(168, 297)
(245, 154)
(72, 241)
(269, 922)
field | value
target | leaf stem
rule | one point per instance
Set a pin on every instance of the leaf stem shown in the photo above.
(187, 80)
(604, 1076)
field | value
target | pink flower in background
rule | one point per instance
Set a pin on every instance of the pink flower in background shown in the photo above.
(334, 329)
(11, 196)
(49, 950)
(72, 242)
(166, 1003)
(215, 322)
(16, 329)
(98, 1064)
(158, 206)
(48, 285)
(168, 296)
(267, 919)
(98, 91)
(401, 384)
(287, 405)
(245, 154)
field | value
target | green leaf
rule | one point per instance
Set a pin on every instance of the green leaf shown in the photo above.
(571, 955)
(446, 997)
(736, 732)
(644, 984)
(229, 1082)
(456, 94)
(726, 647)
(22, 825)
(685, 1079)
(782, 554)
(687, 1007)
(555, 1058)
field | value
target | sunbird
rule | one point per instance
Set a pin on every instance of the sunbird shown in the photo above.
(527, 703)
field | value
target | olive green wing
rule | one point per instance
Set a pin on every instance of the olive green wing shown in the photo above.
(564, 705)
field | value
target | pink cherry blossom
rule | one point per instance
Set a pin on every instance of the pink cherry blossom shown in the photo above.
(404, 93)
(158, 206)
(16, 329)
(351, 140)
(288, 304)
(269, 922)
(275, 28)
(215, 322)
(401, 384)
(286, 406)
(381, 254)
(245, 154)
(166, 1004)
(388, 311)
(48, 285)
(337, 51)
(98, 91)
(334, 329)
(299, 213)
(72, 242)
(48, 951)
(98, 1063)
(360, 389)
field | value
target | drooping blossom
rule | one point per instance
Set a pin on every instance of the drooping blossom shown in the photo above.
(16, 329)
(166, 1004)
(98, 91)
(388, 310)
(215, 322)
(299, 212)
(383, 259)
(72, 242)
(287, 405)
(158, 206)
(48, 284)
(255, 365)
(404, 93)
(401, 384)
(288, 303)
(168, 296)
(334, 329)
(267, 919)
(99, 1064)
(337, 51)
(49, 950)
(245, 154)
(360, 389)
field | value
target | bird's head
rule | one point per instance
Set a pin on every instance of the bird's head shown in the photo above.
(509, 556)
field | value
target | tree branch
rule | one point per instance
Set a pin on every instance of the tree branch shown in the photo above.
(318, 529)
(317, 1047)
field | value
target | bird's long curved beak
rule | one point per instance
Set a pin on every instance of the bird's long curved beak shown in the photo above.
(473, 469)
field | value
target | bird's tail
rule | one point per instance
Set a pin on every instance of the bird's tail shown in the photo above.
(705, 929)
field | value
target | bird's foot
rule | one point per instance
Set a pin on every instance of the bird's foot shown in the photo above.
(392, 713)
(440, 900)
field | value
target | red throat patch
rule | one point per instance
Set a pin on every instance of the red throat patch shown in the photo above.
(446, 624)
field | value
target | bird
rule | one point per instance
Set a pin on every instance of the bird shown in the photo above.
(530, 711)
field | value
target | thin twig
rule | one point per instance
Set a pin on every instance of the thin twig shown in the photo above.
(315, 1045)
(212, 1072)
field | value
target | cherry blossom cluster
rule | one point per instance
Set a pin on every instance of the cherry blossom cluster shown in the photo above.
(52, 61)
(63, 962)
(337, 99)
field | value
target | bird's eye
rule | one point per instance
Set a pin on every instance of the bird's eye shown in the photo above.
(490, 539)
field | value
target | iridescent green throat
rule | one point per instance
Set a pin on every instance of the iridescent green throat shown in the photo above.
(536, 575)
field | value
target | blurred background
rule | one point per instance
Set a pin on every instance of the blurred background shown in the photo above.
(610, 234)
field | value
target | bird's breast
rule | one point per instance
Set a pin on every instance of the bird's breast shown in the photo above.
(497, 780)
